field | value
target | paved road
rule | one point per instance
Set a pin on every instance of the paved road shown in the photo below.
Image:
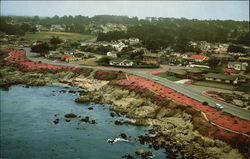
(184, 89)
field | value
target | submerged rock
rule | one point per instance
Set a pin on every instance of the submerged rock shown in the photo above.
(128, 156)
(67, 120)
(70, 115)
(112, 114)
(86, 119)
(117, 122)
(56, 121)
(90, 108)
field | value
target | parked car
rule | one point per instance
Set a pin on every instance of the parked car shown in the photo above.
(219, 106)
(155, 79)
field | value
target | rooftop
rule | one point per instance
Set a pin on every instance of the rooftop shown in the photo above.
(220, 76)
(178, 71)
(199, 57)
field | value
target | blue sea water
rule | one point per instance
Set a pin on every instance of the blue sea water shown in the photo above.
(28, 131)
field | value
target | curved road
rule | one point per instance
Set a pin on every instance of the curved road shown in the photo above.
(188, 91)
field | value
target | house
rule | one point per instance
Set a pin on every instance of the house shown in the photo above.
(133, 41)
(56, 27)
(240, 66)
(194, 73)
(199, 58)
(121, 62)
(187, 55)
(119, 46)
(229, 71)
(223, 57)
(220, 50)
(219, 77)
(244, 59)
(151, 57)
(64, 57)
(111, 54)
(178, 73)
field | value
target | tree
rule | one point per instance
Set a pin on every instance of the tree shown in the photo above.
(25, 27)
(213, 62)
(104, 60)
(42, 48)
(236, 48)
(55, 41)
(33, 30)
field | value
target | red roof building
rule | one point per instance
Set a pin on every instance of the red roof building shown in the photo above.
(228, 70)
(199, 58)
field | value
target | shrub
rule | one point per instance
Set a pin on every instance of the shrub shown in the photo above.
(106, 75)
(165, 103)
(205, 103)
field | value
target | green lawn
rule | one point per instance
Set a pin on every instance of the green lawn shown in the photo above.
(215, 85)
(62, 35)
(171, 78)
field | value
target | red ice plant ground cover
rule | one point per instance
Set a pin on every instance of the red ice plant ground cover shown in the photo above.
(159, 72)
(217, 117)
(19, 57)
(212, 94)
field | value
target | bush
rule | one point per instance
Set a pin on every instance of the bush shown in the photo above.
(165, 103)
(106, 75)
(205, 103)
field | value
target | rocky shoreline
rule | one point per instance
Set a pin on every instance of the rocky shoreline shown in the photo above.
(172, 129)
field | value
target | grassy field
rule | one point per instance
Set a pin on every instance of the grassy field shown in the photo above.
(61, 35)
(171, 78)
(214, 85)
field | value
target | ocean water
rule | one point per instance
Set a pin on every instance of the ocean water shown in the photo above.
(28, 130)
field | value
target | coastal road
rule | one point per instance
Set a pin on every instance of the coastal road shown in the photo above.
(181, 88)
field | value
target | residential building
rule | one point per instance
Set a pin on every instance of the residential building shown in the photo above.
(119, 46)
(240, 66)
(133, 41)
(199, 58)
(244, 59)
(220, 77)
(151, 57)
(177, 73)
(229, 71)
(111, 54)
(121, 62)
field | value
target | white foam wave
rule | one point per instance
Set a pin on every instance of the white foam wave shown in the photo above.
(112, 141)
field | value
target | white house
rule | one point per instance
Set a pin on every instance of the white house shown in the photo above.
(119, 46)
(133, 41)
(111, 54)
(121, 62)
(238, 65)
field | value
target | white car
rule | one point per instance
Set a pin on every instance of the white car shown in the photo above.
(155, 79)
(218, 106)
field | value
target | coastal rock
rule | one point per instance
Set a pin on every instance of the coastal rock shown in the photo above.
(82, 99)
(70, 115)
(144, 153)
(72, 91)
(123, 135)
